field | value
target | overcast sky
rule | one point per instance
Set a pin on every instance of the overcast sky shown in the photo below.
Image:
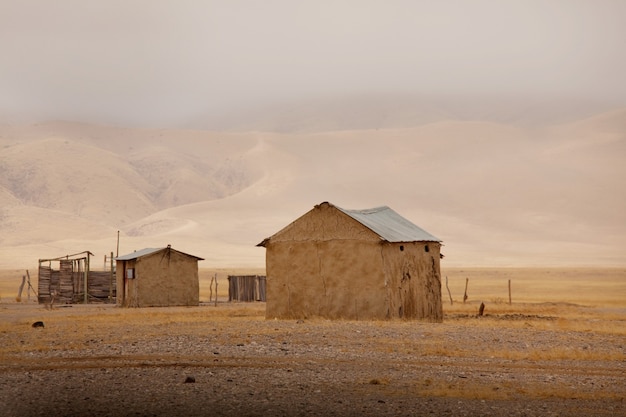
(162, 63)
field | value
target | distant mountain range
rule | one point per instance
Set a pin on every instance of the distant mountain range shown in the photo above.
(392, 111)
(497, 191)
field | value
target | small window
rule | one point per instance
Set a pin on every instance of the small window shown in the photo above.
(130, 273)
(426, 249)
(401, 248)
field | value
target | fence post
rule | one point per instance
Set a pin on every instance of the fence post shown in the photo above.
(19, 293)
(509, 292)
(111, 280)
(215, 289)
(30, 286)
(86, 279)
(465, 295)
(449, 293)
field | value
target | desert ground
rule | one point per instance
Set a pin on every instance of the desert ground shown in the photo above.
(556, 348)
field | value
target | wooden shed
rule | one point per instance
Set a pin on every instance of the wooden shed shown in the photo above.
(246, 288)
(353, 264)
(157, 277)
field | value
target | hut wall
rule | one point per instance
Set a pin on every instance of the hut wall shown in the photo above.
(324, 222)
(325, 264)
(126, 289)
(332, 279)
(413, 279)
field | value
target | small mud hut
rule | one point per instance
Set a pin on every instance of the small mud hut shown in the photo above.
(353, 264)
(158, 277)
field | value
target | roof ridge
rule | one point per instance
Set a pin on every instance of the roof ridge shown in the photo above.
(366, 211)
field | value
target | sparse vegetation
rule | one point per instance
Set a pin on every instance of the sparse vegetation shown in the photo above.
(520, 352)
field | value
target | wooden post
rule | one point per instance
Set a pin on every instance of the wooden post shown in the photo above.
(53, 294)
(19, 293)
(481, 309)
(30, 286)
(215, 289)
(449, 293)
(211, 290)
(465, 295)
(86, 278)
(111, 280)
(509, 292)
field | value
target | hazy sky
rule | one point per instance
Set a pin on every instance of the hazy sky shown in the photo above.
(154, 62)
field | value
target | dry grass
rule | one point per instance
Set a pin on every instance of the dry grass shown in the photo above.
(585, 286)
(597, 287)
(516, 332)
(205, 275)
(77, 324)
(74, 330)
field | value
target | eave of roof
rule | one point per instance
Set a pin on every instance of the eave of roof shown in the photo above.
(138, 254)
(150, 251)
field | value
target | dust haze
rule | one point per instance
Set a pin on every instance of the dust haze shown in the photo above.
(497, 127)
(184, 64)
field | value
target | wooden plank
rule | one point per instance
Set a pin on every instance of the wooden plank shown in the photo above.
(246, 288)
(66, 284)
(99, 283)
(43, 286)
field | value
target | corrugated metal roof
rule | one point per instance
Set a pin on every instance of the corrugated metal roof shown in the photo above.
(149, 251)
(389, 225)
(138, 254)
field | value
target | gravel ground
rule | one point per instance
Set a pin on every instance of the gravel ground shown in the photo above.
(249, 366)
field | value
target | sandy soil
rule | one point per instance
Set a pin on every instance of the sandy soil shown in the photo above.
(228, 360)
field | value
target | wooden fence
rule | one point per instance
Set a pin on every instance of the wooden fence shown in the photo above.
(66, 285)
(246, 288)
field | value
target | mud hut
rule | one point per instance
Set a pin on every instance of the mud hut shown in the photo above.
(157, 278)
(353, 264)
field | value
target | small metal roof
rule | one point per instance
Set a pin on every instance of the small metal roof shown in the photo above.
(138, 254)
(389, 225)
(149, 251)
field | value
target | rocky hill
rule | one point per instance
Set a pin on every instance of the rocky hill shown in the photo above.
(496, 193)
